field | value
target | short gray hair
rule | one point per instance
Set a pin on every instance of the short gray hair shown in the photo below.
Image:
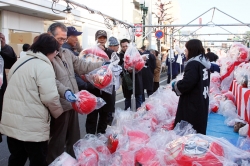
(52, 28)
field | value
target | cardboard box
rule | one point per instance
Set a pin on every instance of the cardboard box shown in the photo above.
(17, 48)
(22, 38)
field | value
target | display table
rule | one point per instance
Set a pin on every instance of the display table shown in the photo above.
(242, 101)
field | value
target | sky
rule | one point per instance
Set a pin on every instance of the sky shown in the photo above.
(190, 9)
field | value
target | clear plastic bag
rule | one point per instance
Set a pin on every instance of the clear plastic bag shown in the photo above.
(91, 151)
(102, 78)
(184, 128)
(87, 102)
(1, 71)
(64, 160)
(133, 59)
(94, 54)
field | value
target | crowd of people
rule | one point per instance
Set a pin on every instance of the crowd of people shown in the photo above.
(35, 108)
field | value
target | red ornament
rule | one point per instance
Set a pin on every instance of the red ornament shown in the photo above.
(103, 77)
(145, 155)
(86, 102)
(97, 52)
(188, 150)
(243, 54)
(112, 143)
(89, 157)
(215, 108)
(139, 65)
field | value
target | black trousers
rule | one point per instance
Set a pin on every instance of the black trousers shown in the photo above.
(64, 133)
(156, 86)
(20, 151)
(169, 77)
(93, 125)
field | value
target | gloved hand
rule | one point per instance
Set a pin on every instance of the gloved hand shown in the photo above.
(70, 97)
(173, 83)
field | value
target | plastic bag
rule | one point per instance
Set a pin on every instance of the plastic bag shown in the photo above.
(87, 102)
(133, 59)
(102, 78)
(94, 54)
(91, 151)
(184, 128)
(1, 71)
(243, 131)
(64, 160)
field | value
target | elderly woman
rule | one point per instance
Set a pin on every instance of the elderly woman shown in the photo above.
(30, 98)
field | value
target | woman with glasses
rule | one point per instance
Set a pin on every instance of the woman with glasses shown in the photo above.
(30, 98)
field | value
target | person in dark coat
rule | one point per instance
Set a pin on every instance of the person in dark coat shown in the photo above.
(71, 43)
(193, 89)
(211, 56)
(148, 73)
(127, 93)
(93, 124)
(175, 67)
(9, 58)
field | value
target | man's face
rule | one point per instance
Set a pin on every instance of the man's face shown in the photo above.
(124, 46)
(114, 48)
(72, 41)
(102, 40)
(60, 36)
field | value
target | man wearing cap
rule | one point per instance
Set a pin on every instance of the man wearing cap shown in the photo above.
(71, 44)
(92, 125)
(72, 39)
(65, 131)
(113, 44)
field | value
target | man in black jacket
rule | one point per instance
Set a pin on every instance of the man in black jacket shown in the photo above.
(138, 80)
(9, 58)
(148, 73)
(92, 127)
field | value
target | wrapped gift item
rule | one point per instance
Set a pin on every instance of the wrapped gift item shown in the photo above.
(87, 102)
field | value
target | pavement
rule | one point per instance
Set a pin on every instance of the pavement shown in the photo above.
(4, 151)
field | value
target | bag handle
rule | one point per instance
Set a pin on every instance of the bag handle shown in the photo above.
(22, 64)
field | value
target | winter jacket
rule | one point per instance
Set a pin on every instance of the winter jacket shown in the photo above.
(148, 72)
(214, 67)
(82, 85)
(157, 70)
(193, 90)
(65, 65)
(30, 97)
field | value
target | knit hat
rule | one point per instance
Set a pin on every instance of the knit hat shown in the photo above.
(113, 41)
(100, 33)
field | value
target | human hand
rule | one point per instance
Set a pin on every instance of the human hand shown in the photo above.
(70, 97)
(101, 46)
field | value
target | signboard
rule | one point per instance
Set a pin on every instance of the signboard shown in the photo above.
(138, 30)
(159, 34)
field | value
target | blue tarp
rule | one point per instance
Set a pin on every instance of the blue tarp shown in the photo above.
(217, 128)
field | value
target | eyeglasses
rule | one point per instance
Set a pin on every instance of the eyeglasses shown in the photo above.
(56, 52)
(62, 39)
